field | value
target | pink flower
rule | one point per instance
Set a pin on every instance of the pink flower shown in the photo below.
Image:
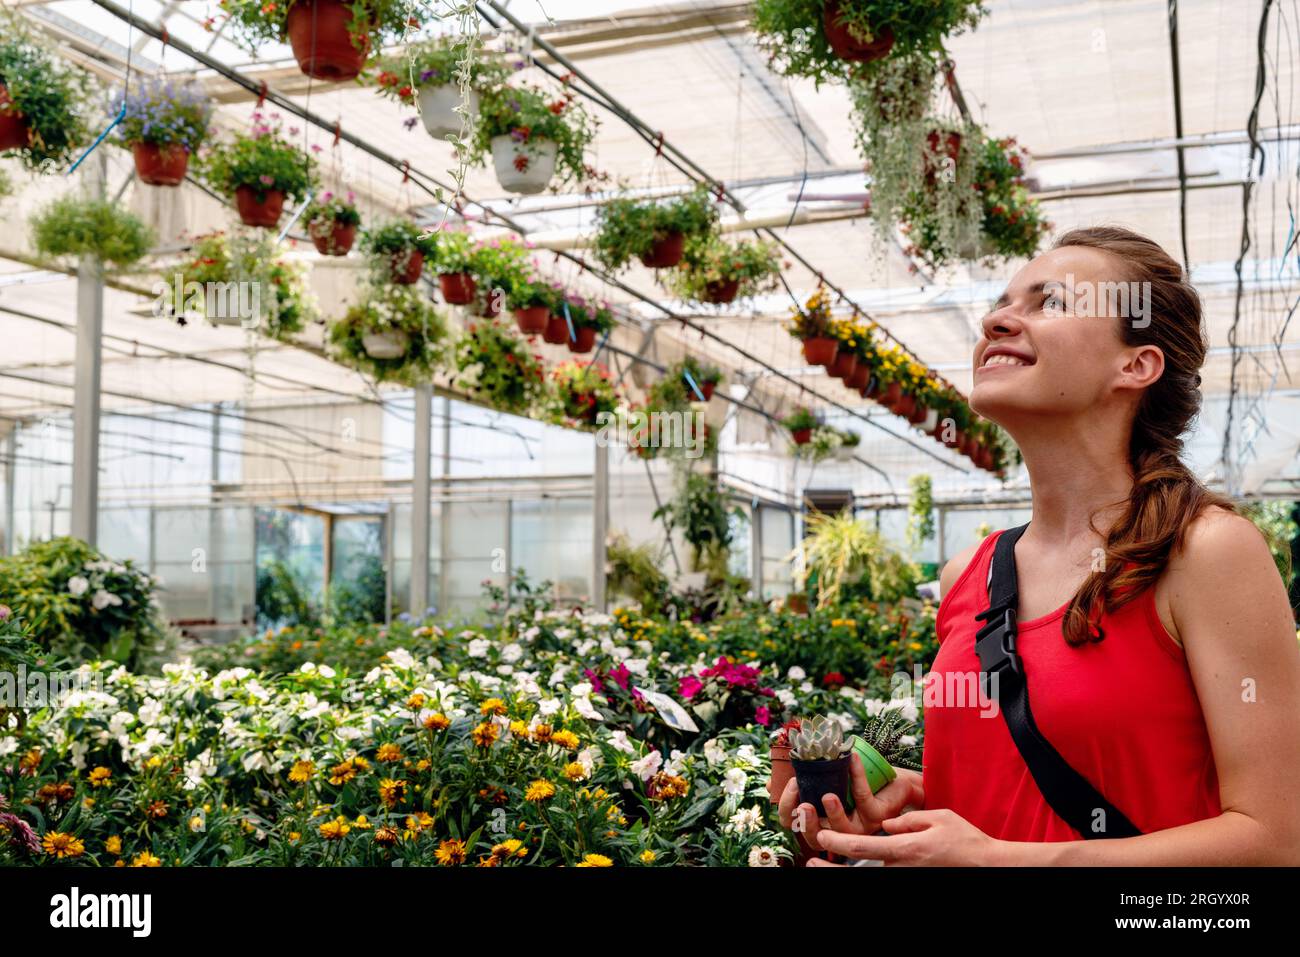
(265, 180)
(5, 612)
(689, 687)
(621, 675)
(761, 715)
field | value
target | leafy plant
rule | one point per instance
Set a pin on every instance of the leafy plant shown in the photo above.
(711, 261)
(920, 510)
(629, 227)
(439, 61)
(700, 512)
(281, 597)
(452, 252)
(261, 160)
(392, 307)
(497, 367)
(162, 113)
(845, 557)
(529, 116)
(588, 313)
(814, 318)
(500, 266)
(260, 22)
(1013, 222)
(800, 419)
(1275, 521)
(826, 441)
(634, 571)
(83, 605)
(892, 735)
(51, 95)
(73, 226)
(328, 210)
(792, 35)
(583, 390)
(818, 739)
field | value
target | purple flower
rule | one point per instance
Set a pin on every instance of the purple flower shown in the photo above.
(427, 75)
(410, 123)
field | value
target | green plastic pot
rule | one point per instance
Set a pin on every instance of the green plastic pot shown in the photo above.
(879, 771)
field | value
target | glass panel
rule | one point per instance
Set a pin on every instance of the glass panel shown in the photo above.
(551, 541)
(477, 551)
(358, 584)
(290, 562)
(124, 533)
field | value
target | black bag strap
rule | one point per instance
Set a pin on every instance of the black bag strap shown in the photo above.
(1068, 792)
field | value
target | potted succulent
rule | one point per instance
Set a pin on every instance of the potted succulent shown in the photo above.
(825, 39)
(497, 267)
(398, 249)
(582, 391)
(453, 259)
(532, 137)
(801, 424)
(812, 326)
(533, 301)
(393, 333)
(589, 319)
(497, 367)
(331, 39)
(42, 103)
(717, 272)
(443, 75)
(819, 755)
(73, 227)
(653, 231)
(162, 125)
(332, 223)
(260, 170)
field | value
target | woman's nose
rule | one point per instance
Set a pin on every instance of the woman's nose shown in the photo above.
(1000, 322)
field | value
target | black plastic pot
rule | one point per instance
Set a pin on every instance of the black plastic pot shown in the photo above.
(817, 778)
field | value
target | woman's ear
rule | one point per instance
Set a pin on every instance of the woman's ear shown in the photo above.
(1143, 366)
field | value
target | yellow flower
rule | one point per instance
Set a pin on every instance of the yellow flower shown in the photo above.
(295, 837)
(362, 823)
(60, 845)
(648, 857)
(519, 729)
(386, 836)
(100, 777)
(510, 848)
(301, 772)
(197, 824)
(914, 645)
(485, 734)
(336, 829)
(113, 846)
(437, 722)
(596, 860)
(391, 792)
(450, 853)
(492, 706)
(575, 771)
(388, 753)
(565, 739)
(145, 859)
(416, 701)
(542, 733)
(539, 791)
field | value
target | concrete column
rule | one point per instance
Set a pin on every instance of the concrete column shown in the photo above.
(420, 494)
(85, 400)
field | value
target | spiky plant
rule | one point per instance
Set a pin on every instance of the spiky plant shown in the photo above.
(884, 732)
(818, 739)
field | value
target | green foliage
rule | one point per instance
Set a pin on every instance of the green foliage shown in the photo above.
(500, 266)
(1275, 521)
(800, 418)
(583, 390)
(396, 237)
(844, 558)
(73, 226)
(160, 112)
(282, 598)
(1013, 221)
(361, 598)
(392, 307)
(453, 251)
(634, 572)
(701, 513)
(792, 34)
(629, 227)
(82, 605)
(259, 22)
(528, 115)
(331, 210)
(439, 61)
(710, 261)
(261, 160)
(920, 510)
(588, 313)
(52, 96)
(498, 368)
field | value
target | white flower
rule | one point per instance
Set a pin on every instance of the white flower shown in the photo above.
(585, 708)
(676, 762)
(764, 856)
(636, 665)
(256, 761)
(549, 706)
(714, 753)
(581, 689)
(619, 742)
(796, 673)
(512, 652)
(734, 781)
(478, 648)
(77, 586)
(8, 746)
(150, 712)
(103, 599)
(118, 724)
(745, 754)
(648, 767)
(401, 658)
(746, 820)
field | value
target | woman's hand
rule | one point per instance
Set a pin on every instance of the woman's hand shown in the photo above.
(939, 838)
(869, 811)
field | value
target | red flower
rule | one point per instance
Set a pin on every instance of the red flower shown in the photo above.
(833, 679)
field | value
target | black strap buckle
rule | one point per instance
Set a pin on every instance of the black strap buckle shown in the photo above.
(996, 650)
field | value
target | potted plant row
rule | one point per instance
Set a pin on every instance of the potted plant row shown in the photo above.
(443, 76)
(653, 231)
(43, 103)
(162, 125)
(260, 170)
(717, 272)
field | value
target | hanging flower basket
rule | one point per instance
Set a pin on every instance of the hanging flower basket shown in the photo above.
(845, 364)
(706, 390)
(801, 436)
(666, 251)
(872, 389)
(262, 209)
(557, 330)
(524, 168)
(333, 239)
(904, 407)
(940, 143)
(848, 47)
(405, 268)
(14, 132)
(532, 321)
(919, 412)
(584, 340)
(157, 165)
(386, 345)
(891, 395)
(820, 350)
(438, 106)
(721, 292)
(324, 40)
(458, 289)
(860, 377)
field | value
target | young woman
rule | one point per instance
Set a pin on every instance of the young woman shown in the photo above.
(1155, 632)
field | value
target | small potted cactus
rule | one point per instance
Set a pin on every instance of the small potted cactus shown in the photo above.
(819, 754)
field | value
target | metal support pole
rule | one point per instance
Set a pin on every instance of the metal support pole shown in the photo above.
(599, 523)
(444, 506)
(85, 400)
(420, 495)
(756, 546)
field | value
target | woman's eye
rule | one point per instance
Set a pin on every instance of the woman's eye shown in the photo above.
(1053, 304)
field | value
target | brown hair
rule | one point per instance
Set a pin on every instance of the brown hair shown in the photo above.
(1166, 497)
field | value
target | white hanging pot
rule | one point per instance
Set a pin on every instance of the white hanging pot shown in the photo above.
(844, 453)
(438, 109)
(386, 345)
(538, 164)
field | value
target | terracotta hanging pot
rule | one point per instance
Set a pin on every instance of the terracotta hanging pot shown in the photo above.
(801, 436)
(954, 440)
(782, 772)
(14, 132)
(405, 268)
(557, 330)
(490, 308)
(918, 414)
(160, 165)
(904, 407)
(872, 389)
(706, 390)
(665, 252)
(331, 238)
(721, 291)
(845, 364)
(584, 339)
(891, 395)
(264, 212)
(820, 350)
(532, 321)
(986, 458)
(861, 376)
(458, 288)
(321, 41)
(848, 47)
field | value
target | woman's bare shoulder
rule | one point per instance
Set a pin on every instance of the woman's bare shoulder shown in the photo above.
(954, 567)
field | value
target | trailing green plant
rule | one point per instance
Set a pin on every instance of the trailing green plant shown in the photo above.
(844, 559)
(162, 113)
(700, 512)
(711, 261)
(439, 61)
(792, 35)
(529, 116)
(581, 392)
(245, 280)
(257, 23)
(920, 510)
(386, 307)
(800, 419)
(330, 209)
(82, 605)
(500, 266)
(634, 572)
(262, 160)
(52, 96)
(73, 226)
(498, 368)
(629, 227)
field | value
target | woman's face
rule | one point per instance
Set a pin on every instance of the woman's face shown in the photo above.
(1051, 344)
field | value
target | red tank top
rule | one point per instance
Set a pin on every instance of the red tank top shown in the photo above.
(1122, 711)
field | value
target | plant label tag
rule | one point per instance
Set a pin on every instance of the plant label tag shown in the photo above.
(674, 715)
